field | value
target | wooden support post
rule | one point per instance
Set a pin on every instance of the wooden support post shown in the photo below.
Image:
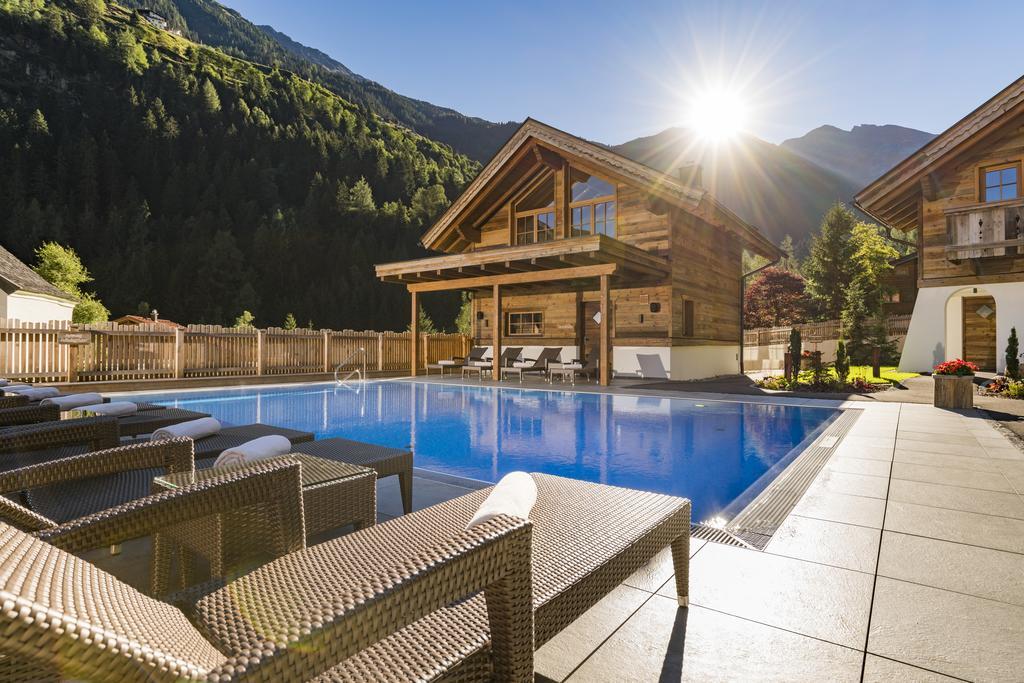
(414, 334)
(496, 353)
(259, 352)
(179, 353)
(72, 363)
(326, 365)
(380, 352)
(606, 332)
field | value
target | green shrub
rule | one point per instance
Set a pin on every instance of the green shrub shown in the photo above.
(842, 362)
(1013, 355)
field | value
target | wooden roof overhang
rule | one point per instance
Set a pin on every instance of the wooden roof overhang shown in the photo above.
(536, 147)
(893, 198)
(557, 266)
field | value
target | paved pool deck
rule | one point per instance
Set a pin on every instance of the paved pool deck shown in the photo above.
(904, 560)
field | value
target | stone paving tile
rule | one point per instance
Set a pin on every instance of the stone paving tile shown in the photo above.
(987, 531)
(663, 642)
(989, 481)
(864, 452)
(557, 658)
(960, 462)
(939, 447)
(807, 598)
(1003, 452)
(655, 573)
(839, 507)
(954, 634)
(981, 572)
(850, 484)
(868, 441)
(933, 437)
(957, 498)
(831, 543)
(874, 468)
(880, 670)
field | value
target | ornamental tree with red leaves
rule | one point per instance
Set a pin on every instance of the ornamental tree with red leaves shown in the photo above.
(775, 298)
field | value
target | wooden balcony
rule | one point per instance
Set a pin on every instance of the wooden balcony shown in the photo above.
(985, 231)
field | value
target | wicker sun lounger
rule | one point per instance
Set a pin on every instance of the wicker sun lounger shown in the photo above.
(415, 598)
(208, 448)
(385, 461)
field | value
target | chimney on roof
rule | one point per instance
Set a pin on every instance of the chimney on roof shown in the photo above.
(155, 314)
(691, 174)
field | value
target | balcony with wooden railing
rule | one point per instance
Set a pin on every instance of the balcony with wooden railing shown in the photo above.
(987, 231)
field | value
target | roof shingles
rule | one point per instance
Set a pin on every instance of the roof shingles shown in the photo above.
(22, 278)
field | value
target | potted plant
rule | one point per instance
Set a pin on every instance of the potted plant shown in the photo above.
(954, 384)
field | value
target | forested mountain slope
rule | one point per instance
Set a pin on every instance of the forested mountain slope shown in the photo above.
(202, 184)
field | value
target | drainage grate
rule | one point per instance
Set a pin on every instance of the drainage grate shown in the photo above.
(754, 526)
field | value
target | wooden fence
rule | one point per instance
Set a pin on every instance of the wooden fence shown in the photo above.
(58, 351)
(826, 330)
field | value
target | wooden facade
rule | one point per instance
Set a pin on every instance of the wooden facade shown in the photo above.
(963, 196)
(900, 286)
(564, 243)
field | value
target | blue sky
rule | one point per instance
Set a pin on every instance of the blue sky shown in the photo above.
(612, 71)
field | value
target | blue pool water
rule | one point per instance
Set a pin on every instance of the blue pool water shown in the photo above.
(718, 454)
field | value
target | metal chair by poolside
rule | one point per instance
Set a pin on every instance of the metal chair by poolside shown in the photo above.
(538, 366)
(420, 597)
(509, 354)
(476, 354)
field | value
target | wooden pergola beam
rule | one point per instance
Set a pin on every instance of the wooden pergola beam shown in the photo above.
(555, 275)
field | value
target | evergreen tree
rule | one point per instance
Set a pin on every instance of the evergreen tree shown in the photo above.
(842, 362)
(132, 54)
(464, 320)
(209, 97)
(855, 324)
(37, 125)
(789, 260)
(1013, 355)
(246, 319)
(289, 322)
(425, 322)
(829, 268)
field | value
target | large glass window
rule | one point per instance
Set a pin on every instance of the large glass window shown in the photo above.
(592, 205)
(1001, 183)
(524, 323)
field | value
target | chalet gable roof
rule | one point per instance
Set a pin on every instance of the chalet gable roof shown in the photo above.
(16, 276)
(692, 199)
(892, 198)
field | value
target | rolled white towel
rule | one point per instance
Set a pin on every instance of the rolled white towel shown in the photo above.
(194, 429)
(515, 495)
(36, 393)
(73, 401)
(114, 408)
(257, 449)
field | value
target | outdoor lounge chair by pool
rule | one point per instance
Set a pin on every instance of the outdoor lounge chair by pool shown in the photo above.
(476, 354)
(509, 354)
(149, 417)
(577, 368)
(538, 366)
(419, 597)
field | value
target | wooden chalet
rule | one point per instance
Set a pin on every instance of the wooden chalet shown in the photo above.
(963, 195)
(562, 242)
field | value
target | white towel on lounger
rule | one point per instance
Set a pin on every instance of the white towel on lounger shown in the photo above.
(257, 449)
(37, 393)
(114, 408)
(193, 429)
(514, 495)
(73, 401)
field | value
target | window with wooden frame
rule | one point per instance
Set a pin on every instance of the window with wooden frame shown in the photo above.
(999, 183)
(524, 323)
(591, 205)
(534, 211)
(686, 329)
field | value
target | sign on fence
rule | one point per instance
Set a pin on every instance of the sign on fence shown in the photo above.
(74, 338)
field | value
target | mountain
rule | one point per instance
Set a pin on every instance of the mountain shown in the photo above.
(861, 154)
(767, 185)
(203, 184)
(213, 24)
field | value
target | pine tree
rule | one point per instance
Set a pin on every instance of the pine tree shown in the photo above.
(464, 320)
(1013, 355)
(130, 51)
(856, 326)
(209, 97)
(246, 319)
(828, 268)
(789, 260)
(425, 322)
(842, 362)
(289, 322)
(37, 125)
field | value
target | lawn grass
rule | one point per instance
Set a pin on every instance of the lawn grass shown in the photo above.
(890, 374)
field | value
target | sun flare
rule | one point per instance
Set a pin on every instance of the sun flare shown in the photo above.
(718, 114)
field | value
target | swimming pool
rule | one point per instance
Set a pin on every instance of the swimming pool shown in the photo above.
(719, 454)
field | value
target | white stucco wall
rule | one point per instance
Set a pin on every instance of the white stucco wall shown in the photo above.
(700, 362)
(936, 328)
(35, 308)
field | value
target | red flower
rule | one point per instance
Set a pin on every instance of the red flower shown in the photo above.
(957, 367)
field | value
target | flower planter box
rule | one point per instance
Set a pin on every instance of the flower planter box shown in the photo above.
(954, 391)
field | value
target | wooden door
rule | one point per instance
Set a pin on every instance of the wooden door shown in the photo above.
(979, 330)
(591, 329)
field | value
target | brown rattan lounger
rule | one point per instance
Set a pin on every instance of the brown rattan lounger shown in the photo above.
(388, 603)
